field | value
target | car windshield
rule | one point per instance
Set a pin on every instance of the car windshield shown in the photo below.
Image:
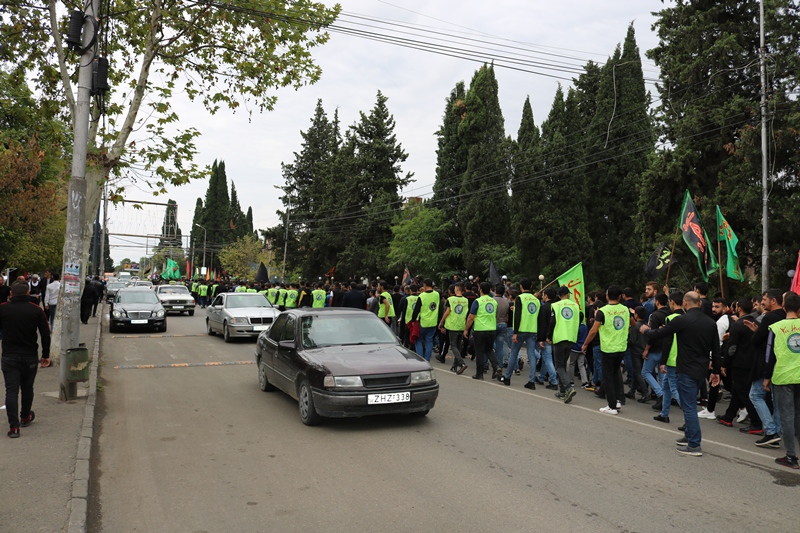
(321, 330)
(136, 297)
(237, 301)
(143, 284)
(173, 290)
(116, 285)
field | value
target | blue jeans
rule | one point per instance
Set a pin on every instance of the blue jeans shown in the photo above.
(52, 317)
(669, 390)
(628, 366)
(500, 343)
(597, 362)
(425, 342)
(533, 355)
(648, 366)
(687, 388)
(547, 365)
(771, 421)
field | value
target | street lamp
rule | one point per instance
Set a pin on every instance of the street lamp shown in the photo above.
(541, 281)
(205, 234)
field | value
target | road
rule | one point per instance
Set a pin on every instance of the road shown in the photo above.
(202, 449)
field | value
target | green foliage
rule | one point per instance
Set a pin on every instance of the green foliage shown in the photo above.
(418, 242)
(241, 258)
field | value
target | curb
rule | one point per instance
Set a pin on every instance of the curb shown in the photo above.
(80, 484)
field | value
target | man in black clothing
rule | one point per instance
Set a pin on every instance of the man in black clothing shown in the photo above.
(737, 361)
(697, 337)
(5, 291)
(354, 298)
(701, 288)
(19, 321)
(88, 298)
(99, 289)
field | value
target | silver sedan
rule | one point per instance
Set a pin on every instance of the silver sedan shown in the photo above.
(239, 314)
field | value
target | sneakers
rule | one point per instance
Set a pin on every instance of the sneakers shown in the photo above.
(569, 395)
(561, 395)
(551, 387)
(726, 423)
(659, 418)
(619, 405)
(460, 370)
(517, 372)
(688, 450)
(440, 358)
(589, 387)
(504, 380)
(682, 428)
(742, 415)
(683, 441)
(752, 430)
(608, 411)
(14, 434)
(497, 372)
(769, 441)
(708, 415)
(478, 376)
(788, 461)
(25, 422)
(530, 385)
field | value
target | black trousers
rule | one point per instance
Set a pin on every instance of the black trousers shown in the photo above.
(561, 353)
(612, 377)
(484, 348)
(740, 396)
(86, 310)
(19, 375)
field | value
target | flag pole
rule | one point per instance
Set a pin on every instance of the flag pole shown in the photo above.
(719, 254)
(672, 255)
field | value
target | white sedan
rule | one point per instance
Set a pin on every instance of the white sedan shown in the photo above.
(176, 299)
(240, 314)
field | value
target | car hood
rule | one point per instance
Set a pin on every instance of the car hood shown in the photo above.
(367, 359)
(137, 307)
(253, 311)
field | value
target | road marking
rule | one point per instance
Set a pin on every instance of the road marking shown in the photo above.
(158, 336)
(598, 413)
(183, 365)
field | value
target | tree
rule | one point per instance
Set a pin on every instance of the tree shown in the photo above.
(236, 220)
(108, 263)
(483, 208)
(215, 215)
(170, 230)
(240, 259)
(710, 91)
(415, 243)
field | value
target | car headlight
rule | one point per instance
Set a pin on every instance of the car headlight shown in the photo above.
(116, 314)
(342, 381)
(160, 313)
(418, 378)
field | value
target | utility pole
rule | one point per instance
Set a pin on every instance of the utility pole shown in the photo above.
(285, 243)
(103, 233)
(764, 154)
(73, 271)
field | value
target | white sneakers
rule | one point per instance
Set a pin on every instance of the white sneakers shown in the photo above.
(742, 415)
(607, 410)
(708, 415)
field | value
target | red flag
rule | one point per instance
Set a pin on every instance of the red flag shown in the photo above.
(796, 281)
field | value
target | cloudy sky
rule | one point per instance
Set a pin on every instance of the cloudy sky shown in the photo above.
(415, 82)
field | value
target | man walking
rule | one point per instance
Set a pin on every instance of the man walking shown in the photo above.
(453, 322)
(565, 320)
(526, 325)
(19, 322)
(482, 316)
(426, 309)
(51, 299)
(696, 336)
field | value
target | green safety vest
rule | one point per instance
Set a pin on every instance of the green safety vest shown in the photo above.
(529, 313)
(282, 297)
(317, 298)
(614, 331)
(272, 296)
(250, 290)
(382, 306)
(241, 288)
(672, 358)
(411, 302)
(214, 288)
(263, 292)
(202, 290)
(194, 287)
(429, 312)
(567, 315)
(291, 299)
(485, 319)
(457, 318)
(787, 352)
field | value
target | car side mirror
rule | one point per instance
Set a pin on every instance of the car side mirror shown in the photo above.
(286, 345)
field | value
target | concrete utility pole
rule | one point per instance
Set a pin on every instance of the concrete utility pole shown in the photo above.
(73, 271)
(103, 233)
(764, 163)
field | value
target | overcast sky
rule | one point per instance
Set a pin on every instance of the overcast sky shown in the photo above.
(415, 82)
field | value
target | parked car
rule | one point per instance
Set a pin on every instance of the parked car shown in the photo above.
(339, 362)
(137, 307)
(176, 298)
(112, 287)
(143, 283)
(239, 314)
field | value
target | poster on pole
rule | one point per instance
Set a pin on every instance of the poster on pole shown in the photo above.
(72, 278)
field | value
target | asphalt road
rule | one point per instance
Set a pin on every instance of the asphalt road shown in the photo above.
(202, 449)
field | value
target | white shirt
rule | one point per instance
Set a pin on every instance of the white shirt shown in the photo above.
(723, 324)
(51, 293)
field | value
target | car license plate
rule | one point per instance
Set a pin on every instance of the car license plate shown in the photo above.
(138, 321)
(177, 307)
(259, 328)
(392, 397)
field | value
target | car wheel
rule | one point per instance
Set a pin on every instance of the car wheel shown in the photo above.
(163, 328)
(208, 328)
(420, 414)
(308, 413)
(191, 313)
(225, 333)
(263, 381)
(112, 328)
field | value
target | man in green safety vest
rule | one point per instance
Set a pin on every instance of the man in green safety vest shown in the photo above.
(318, 296)
(525, 326)
(272, 294)
(669, 383)
(782, 376)
(193, 290)
(411, 303)
(565, 319)
(385, 304)
(453, 322)
(426, 309)
(282, 297)
(291, 296)
(482, 316)
(202, 291)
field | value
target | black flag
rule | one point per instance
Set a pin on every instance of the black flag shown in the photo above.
(658, 262)
(494, 277)
(262, 276)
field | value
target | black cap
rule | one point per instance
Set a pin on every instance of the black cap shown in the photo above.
(563, 290)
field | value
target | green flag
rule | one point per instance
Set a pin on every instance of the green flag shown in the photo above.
(573, 279)
(696, 237)
(172, 270)
(724, 231)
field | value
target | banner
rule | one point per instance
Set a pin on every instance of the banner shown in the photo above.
(573, 280)
(658, 262)
(171, 271)
(696, 237)
(796, 280)
(494, 277)
(724, 231)
(407, 279)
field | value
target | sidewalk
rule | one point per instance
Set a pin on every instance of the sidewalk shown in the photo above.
(39, 468)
